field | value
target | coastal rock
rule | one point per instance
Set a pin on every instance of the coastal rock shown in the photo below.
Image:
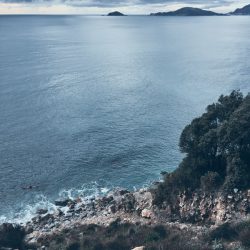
(213, 208)
(42, 211)
(59, 213)
(112, 209)
(62, 203)
(128, 202)
(146, 213)
(143, 199)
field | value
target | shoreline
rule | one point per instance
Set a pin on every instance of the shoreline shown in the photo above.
(199, 213)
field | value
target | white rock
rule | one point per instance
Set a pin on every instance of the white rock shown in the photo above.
(139, 248)
(183, 227)
(236, 190)
(248, 192)
(146, 213)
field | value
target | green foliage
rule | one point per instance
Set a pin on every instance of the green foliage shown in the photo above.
(217, 148)
(232, 232)
(210, 181)
(123, 236)
(225, 231)
(74, 246)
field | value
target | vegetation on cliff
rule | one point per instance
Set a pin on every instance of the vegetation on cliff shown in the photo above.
(217, 148)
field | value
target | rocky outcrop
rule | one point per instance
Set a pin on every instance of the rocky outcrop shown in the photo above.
(131, 207)
(127, 207)
(209, 208)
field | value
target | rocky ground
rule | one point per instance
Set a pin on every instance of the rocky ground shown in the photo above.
(196, 214)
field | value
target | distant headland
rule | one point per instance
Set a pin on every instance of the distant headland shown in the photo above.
(242, 11)
(190, 11)
(187, 11)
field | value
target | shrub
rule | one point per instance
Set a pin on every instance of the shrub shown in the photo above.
(74, 246)
(224, 231)
(210, 181)
(244, 237)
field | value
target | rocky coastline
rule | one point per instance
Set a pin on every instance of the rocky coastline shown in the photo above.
(197, 212)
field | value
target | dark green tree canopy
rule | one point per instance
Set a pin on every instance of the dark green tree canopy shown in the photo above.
(217, 149)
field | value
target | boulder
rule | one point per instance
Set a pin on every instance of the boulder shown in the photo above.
(62, 203)
(112, 209)
(128, 202)
(146, 213)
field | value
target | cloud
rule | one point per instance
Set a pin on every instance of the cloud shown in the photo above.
(104, 6)
(113, 3)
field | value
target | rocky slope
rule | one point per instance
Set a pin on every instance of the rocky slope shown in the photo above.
(194, 214)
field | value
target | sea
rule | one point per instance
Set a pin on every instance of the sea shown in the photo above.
(92, 103)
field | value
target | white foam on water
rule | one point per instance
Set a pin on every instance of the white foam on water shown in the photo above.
(86, 192)
(29, 211)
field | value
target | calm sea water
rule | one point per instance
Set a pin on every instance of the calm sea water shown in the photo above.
(91, 103)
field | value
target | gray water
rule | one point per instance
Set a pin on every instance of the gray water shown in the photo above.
(91, 103)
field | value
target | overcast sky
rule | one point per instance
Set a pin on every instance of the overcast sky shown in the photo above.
(105, 6)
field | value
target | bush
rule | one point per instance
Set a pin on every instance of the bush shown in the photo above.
(74, 246)
(210, 181)
(244, 237)
(224, 231)
(152, 237)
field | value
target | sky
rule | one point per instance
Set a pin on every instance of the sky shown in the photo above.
(89, 7)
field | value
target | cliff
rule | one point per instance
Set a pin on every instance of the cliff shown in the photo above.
(133, 217)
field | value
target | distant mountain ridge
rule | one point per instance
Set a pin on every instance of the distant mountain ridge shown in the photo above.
(187, 11)
(190, 11)
(242, 11)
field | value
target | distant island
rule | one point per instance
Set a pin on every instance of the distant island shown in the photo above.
(115, 13)
(242, 11)
(187, 11)
(190, 11)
